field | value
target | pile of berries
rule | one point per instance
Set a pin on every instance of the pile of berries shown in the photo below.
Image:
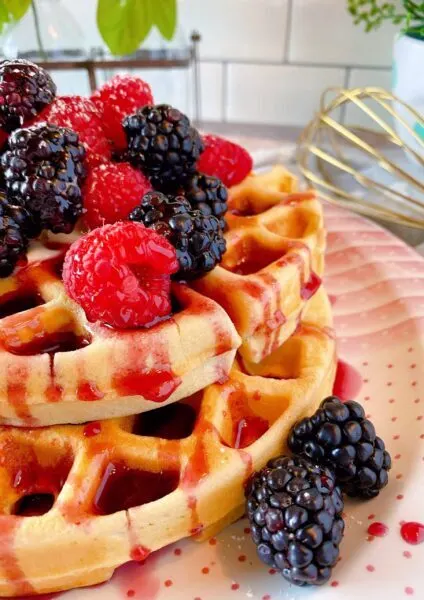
(295, 503)
(102, 160)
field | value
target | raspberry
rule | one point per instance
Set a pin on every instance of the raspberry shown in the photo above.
(25, 89)
(118, 98)
(111, 192)
(228, 161)
(120, 275)
(81, 115)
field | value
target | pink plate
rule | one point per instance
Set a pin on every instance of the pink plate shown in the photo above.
(377, 288)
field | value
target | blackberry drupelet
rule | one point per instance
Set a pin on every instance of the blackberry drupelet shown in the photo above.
(197, 238)
(339, 436)
(16, 226)
(43, 168)
(294, 508)
(207, 194)
(162, 142)
(25, 89)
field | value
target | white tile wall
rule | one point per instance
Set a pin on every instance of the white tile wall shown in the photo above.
(277, 94)
(322, 31)
(238, 29)
(263, 61)
(367, 78)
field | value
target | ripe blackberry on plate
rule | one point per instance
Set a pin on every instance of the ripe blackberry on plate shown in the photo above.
(207, 194)
(294, 508)
(162, 142)
(339, 436)
(16, 226)
(43, 168)
(25, 89)
(198, 239)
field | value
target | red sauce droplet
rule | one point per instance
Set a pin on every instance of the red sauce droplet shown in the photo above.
(334, 584)
(89, 392)
(311, 286)
(242, 558)
(139, 553)
(205, 570)
(412, 532)
(235, 586)
(168, 583)
(131, 593)
(370, 568)
(407, 554)
(212, 541)
(155, 386)
(409, 591)
(92, 429)
(348, 381)
(178, 551)
(247, 426)
(378, 529)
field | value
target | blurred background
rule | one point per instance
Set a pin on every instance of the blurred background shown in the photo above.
(261, 61)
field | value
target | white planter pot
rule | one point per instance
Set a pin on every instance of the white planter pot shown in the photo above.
(408, 85)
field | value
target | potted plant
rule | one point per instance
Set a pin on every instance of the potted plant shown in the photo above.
(51, 32)
(408, 56)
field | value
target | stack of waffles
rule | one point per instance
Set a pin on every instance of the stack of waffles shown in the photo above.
(114, 444)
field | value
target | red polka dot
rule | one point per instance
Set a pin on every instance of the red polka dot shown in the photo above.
(168, 583)
(205, 570)
(389, 384)
(334, 583)
(242, 558)
(397, 457)
(399, 497)
(178, 551)
(422, 436)
(394, 419)
(419, 418)
(272, 571)
(370, 568)
(399, 476)
(371, 516)
(407, 554)
(130, 593)
(409, 591)
(392, 400)
(212, 541)
(410, 349)
(366, 398)
(235, 586)
(396, 437)
(417, 400)
(365, 364)
(366, 380)
(390, 366)
(413, 383)
(247, 530)
(413, 366)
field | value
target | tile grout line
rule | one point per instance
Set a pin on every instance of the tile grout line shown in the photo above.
(297, 64)
(289, 15)
(224, 93)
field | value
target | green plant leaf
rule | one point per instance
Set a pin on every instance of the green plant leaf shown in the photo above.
(165, 17)
(4, 16)
(17, 8)
(124, 24)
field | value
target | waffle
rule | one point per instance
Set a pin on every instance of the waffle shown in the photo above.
(55, 367)
(274, 260)
(91, 497)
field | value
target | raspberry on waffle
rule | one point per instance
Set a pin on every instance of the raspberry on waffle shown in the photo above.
(116, 490)
(273, 263)
(56, 367)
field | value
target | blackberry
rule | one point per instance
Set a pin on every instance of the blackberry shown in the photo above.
(16, 226)
(25, 89)
(198, 239)
(162, 142)
(43, 168)
(207, 194)
(294, 508)
(339, 436)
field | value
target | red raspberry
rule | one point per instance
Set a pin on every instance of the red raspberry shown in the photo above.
(118, 98)
(120, 275)
(224, 159)
(81, 115)
(111, 192)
